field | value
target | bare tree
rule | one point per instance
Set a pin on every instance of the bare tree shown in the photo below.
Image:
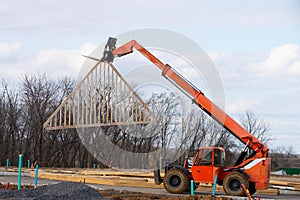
(256, 126)
(177, 129)
(10, 127)
(282, 157)
(37, 98)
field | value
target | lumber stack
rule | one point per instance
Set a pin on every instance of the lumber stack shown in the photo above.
(102, 177)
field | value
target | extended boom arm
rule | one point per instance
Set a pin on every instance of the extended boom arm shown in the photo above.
(260, 150)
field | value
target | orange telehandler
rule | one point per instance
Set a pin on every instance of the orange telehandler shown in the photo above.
(252, 168)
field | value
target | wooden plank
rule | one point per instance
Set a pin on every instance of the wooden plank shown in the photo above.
(297, 187)
(275, 182)
(284, 183)
(117, 173)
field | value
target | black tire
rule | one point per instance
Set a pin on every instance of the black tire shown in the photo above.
(232, 184)
(176, 181)
(188, 189)
(252, 188)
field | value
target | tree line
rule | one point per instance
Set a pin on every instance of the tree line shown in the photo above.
(177, 130)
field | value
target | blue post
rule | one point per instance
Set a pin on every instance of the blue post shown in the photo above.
(20, 172)
(36, 175)
(215, 185)
(7, 163)
(192, 187)
(28, 163)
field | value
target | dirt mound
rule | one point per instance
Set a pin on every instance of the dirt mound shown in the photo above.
(64, 190)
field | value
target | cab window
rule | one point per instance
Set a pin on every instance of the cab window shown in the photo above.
(219, 157)
(204, 157)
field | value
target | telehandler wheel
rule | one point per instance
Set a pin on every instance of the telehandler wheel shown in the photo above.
(232, 184)
(176, 181)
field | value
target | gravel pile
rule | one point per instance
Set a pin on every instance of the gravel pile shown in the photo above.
(63, 190)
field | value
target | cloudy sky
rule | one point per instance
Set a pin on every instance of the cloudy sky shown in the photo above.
(255, 46)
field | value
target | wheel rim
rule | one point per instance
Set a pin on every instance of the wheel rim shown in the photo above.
(235, 185)
(174, 181)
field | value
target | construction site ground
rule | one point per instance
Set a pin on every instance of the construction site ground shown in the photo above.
(138, 184)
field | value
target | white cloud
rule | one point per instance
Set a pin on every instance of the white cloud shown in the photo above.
(295, 68)
(281, 60)
(268, 84)
(53, 62)
(9, 50)
(274, 70)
